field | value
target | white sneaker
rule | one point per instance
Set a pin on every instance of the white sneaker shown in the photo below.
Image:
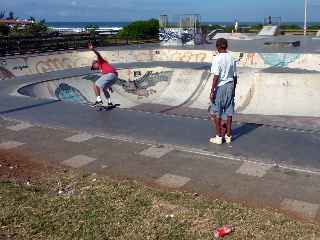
(216, 140)
(228, 139)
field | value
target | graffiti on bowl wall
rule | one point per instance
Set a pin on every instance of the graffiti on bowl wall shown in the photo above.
(5, 74)
(59, 63)
(279, 59)
(68, 93)
(143, 85)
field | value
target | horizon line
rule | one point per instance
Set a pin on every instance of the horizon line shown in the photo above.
(224, 21)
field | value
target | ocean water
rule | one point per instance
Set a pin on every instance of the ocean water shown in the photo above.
(117, 24)
(122, 24)
(85, 24)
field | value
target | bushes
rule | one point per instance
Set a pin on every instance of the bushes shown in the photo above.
(256, 27)
(4, 29)
(36, 28)
(140, 30)
(314, 27)
(91, 28)
(290, 27)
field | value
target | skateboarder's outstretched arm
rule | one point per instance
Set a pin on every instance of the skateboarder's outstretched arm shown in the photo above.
(90, 46)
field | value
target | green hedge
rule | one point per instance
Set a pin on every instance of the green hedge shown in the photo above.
(4, 29)
(140, 30)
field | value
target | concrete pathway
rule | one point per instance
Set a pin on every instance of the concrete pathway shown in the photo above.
(289, 148)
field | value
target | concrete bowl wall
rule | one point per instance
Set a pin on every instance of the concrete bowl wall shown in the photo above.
(292, 92)
(36, 64)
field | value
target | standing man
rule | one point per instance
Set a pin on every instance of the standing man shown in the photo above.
(109, 76)
(236, 26)
(222, 91)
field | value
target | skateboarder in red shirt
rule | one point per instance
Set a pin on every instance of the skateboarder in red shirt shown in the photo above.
(108, 77)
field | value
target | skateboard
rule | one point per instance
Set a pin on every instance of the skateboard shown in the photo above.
(106, 107)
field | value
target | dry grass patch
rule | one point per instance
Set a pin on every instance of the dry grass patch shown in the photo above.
(71, 205)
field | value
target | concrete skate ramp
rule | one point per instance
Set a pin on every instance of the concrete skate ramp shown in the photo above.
(285, 91)
(276, 91)
(269, 31)
(172, 87)
(237, 36)
(19, 66)
(273, 91)
(291, 90)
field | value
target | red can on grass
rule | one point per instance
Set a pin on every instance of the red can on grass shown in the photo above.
(222, 232)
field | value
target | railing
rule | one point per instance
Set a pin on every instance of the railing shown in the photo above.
(27, 45)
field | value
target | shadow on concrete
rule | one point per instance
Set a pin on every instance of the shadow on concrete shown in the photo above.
(244, 129)
(28, 107)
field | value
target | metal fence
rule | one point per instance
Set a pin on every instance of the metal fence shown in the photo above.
(49, 43)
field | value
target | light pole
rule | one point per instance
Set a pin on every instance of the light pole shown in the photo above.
(305, 17)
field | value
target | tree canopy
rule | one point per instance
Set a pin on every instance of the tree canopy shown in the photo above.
(33, 29)
(141, 30)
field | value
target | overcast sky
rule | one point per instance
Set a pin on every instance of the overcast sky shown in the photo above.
(127, 10)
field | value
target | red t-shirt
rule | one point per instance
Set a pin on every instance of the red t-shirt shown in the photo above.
(105, 67)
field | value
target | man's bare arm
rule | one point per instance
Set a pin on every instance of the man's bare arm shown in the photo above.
(214, 87)
(90, 46)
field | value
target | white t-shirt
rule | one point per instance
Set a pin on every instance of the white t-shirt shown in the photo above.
(224, 66)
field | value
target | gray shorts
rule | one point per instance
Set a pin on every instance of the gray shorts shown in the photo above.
(106, 80)
(223, 106)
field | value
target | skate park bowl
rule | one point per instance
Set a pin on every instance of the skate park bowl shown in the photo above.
(258, 91)
(282, 84)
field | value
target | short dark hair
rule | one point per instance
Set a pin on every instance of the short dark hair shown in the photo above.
(222, 43)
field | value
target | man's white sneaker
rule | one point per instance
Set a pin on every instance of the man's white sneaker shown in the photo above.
(216, 140)
(228, 139)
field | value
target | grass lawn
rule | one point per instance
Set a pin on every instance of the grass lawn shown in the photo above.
(73, 205)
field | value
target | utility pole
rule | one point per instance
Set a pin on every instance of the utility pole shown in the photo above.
(305, 17)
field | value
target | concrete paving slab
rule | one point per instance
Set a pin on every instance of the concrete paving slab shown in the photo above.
(254, 169)
(78, 161)
(301, 208)
(10, 145)
(80, 137)
(20, 126)
(7, 123)
(172, 181)
(156, 151)
(47, 143)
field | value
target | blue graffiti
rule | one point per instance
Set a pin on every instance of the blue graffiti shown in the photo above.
(186, 35)
(279, 59)
(166, 35)
(66, 92)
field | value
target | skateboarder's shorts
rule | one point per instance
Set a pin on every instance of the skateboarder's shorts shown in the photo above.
(106, 80)
(223, 106)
